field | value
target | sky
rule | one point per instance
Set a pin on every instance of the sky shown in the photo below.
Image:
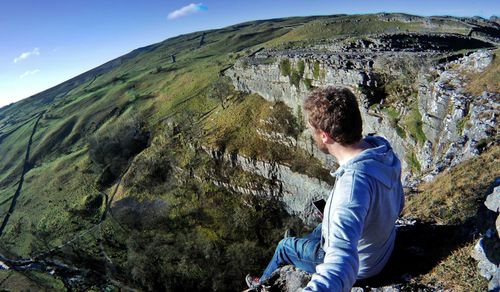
(44, 43)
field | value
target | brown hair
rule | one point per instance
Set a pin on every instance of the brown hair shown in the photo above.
(335, 111)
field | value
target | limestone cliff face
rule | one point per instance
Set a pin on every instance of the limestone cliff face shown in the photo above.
(295, 190)
(338, 70)
(454, 122)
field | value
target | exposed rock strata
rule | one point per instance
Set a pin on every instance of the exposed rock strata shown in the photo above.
(455, 123)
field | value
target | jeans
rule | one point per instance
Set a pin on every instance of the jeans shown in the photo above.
(304, 253)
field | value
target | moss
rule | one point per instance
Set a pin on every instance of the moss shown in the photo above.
(391, 112)
(393, 116)
(316, 69)
(412, 160)
(413, 125)
(301, 124)
(308, 84)
(285, 67)
(461, 124)
(301, 67)
(295, 79)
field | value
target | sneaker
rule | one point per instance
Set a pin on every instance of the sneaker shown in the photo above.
(252, 282)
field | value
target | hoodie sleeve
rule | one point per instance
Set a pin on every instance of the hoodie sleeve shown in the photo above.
(345, 213)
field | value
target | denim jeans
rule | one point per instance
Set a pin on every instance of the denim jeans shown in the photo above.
(304, 253)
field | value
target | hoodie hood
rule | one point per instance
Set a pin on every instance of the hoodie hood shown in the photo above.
(379, 162)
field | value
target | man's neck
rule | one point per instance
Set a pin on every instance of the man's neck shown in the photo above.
(344, 153)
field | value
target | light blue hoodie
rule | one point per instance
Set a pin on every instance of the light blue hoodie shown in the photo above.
(359, 219)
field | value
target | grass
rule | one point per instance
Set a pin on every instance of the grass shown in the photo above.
(461, 124)
(457, 272)
(488, 80)
(58, 195)
(412, 123)
(328, 27)
(285, 67)
(394, 118)
(455, 199)
(455, 196)
(308, 83)
(51, 184)
(316, 69)
(413, 162)
(29, 281)
(235, 131)
(294, 74)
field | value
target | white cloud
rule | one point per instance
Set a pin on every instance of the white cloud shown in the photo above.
(26, 55)
(28, 73)
(186, 10)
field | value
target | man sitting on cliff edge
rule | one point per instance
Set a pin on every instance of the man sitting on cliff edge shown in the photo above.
(356, 237)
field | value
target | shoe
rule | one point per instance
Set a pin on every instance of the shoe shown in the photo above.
(253, 282)
(289, 233)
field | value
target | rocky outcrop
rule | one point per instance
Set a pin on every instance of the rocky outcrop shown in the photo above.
(454, 122)
(456, 125)
(486, 249)
(351, 70)
(297, 191)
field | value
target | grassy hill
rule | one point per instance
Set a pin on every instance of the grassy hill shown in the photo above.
(104, 172)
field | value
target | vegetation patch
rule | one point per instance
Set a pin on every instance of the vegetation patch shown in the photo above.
(455, 196)
(457, 272)
(235, 130)
(454, 202)
(413, 124)
(112, 146)
(488, 80)
(412, 160)
(294, 74)
(394, 119)
(316, 69)
(308, 83)
(285, 67)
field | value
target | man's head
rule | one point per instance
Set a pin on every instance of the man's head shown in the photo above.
(334, 116)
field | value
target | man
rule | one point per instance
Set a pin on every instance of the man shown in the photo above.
(356, 237)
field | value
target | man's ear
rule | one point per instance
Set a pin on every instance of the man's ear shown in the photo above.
(325, 137)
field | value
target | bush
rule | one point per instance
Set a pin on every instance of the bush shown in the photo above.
(220, 89)
(113, 145)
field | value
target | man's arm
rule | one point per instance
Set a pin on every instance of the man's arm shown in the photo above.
(344, 220)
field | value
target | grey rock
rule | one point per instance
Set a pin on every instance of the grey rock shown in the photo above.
(290, 279)
(487, 247)
(457, 126)
(487, 269)
(297, 191)
(493, 200)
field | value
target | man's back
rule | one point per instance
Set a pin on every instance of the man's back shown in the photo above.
(359, 221)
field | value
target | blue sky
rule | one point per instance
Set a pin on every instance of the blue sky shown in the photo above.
(44, 43)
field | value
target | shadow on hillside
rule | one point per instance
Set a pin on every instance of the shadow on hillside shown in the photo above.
(418, 249)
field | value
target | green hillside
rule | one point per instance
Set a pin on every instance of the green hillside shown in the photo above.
(107, 173)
